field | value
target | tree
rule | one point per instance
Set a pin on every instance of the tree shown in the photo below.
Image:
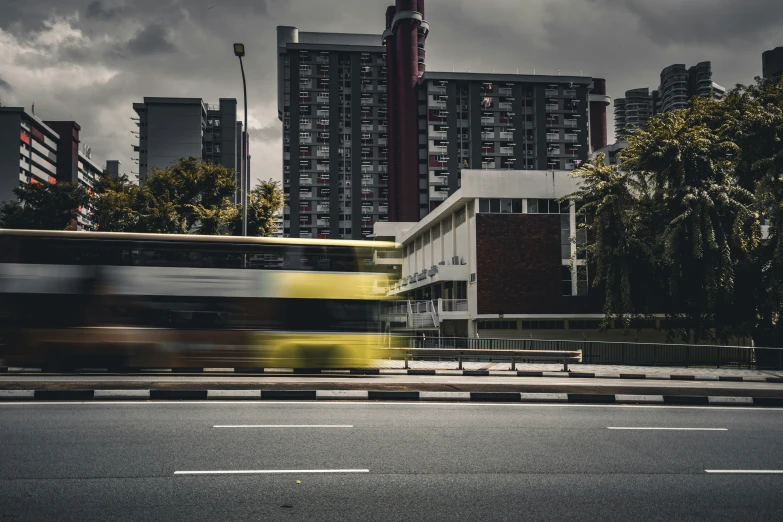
(264, 201)
(191, 196)
(678, 228)
(44, 206)
(619, 248)
(115, 208)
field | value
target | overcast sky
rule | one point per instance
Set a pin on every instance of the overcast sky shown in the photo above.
(89, 60)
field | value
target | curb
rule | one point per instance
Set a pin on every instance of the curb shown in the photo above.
(450, 373)
(343, 395)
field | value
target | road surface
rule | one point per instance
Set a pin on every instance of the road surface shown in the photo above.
(387, 461)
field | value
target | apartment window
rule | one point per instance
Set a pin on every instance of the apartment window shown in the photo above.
(546, 206)
(497, 325)
(565, 276)
(543, 325)
(500, 206)
(426, 238)
(447, 225)
(584, 324)
(581, 280)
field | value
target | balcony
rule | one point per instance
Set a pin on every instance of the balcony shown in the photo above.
(504, 92)
(552, 107)
(552, 136)
(504, 106)
(487, 135)
(487, 121)
(305, 195)
(437, 89)
(305, 182)
(322, 208)
(551, 92)
(322, 222)
(571, 138)
(366, 101)
(570, 93)
(507, 150)
(570, 123)
(505, 135)
(387, 257)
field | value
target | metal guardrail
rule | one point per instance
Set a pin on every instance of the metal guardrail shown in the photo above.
(558, 356)
(600, 352)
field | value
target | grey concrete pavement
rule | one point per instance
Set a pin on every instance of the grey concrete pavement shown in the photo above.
(425, 462)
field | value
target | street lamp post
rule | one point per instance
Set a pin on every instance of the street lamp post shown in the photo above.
(239, 51)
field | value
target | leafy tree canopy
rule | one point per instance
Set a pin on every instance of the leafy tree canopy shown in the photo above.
(44, 206)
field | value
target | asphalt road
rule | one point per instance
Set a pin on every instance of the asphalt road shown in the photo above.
(401, 382)
(111, 461)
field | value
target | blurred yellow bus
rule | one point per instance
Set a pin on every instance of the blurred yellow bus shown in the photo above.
(95, 300)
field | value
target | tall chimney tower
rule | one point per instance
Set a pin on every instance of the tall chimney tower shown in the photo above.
(405, 35)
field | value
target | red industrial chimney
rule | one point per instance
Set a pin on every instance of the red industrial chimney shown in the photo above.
(406, 32)
(599, 101)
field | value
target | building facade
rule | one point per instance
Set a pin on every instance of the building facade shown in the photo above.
(175, 128)
(633, 111)
(498, 256)
(28, 151)
(370, 135)
(772, 63)
(332, 102)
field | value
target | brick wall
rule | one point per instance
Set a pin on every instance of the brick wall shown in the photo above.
(518, 268)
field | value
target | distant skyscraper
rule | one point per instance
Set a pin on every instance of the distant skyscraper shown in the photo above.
(633, 111)
(678, 85)
(175, 128)
(772, 63)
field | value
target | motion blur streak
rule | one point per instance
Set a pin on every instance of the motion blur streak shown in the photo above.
(76, 299)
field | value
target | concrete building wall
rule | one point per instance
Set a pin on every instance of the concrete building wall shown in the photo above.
(10, 127)
(173, 132)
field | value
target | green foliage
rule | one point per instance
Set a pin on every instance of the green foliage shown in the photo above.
(676, 229)
(44, 206)
(190, 197)
(264, 201)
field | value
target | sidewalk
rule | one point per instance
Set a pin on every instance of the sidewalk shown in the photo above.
(599, 370)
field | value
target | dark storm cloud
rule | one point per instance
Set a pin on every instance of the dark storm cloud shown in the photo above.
(103, 11)
(153, 39)
(700, 21)
(137, 48)
(4, 85)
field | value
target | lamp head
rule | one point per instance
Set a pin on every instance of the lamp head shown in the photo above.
(239, 49)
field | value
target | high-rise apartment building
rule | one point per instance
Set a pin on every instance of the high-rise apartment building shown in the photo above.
(332, 102)
(633, 111)
(370, 135)
(175, 128)
(678, 85)
(772, 63)
(28, 151)
(36, 151)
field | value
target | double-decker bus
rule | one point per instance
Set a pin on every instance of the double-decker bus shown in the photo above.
(96, 299)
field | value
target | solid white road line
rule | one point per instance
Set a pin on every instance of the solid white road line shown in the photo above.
(269, 471)
(746, 471)
(666, 429)
(283, 426)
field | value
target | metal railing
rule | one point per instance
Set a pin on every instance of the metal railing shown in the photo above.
(452, 305)
(619, 353)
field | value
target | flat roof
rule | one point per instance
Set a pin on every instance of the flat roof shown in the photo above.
(510, 78)
(360, 39)
(512, 184)
(33, 117)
